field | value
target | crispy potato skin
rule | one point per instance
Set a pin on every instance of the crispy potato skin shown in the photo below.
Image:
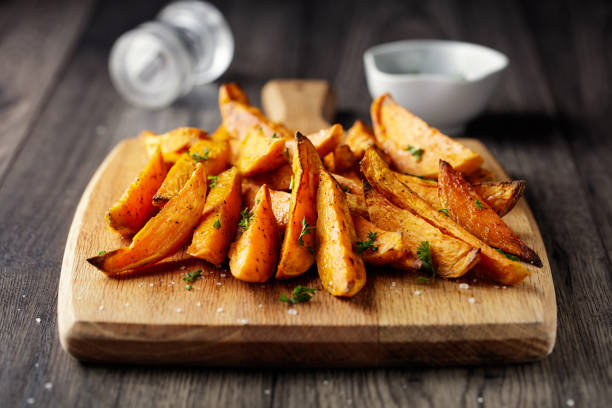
(178, 175)
(341, 159)
(460, 198)
(222, 205)
(389, 244)
(357, 205)
(295, 259)
(278, 179)
(135, 207)
(492, 264)
(502, 196)
(253, 256)
(396, 128)
(259, 153)
(349, 184)
(163, 234)
(452, 258)
(359, 138)
(280, 200)
(326, 140)
(341, 270)
(172, 143)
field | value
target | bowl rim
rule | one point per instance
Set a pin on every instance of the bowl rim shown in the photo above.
(370, 64)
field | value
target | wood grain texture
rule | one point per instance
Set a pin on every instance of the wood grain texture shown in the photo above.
(547, 124)
(222, 321)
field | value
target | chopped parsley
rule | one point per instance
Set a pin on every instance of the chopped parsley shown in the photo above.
(415, 151)
(346, 189)
(299, 295)
(306, 229)
(478, 204)
(509, 256)
(101, 253)
(274, 135)
(213, 181)
(217, 223)
(443, 211)
(188, 287)
(199, 157)
(192, 276)
(287, 152)
(369, 244)
(245, 219)
(424, 254)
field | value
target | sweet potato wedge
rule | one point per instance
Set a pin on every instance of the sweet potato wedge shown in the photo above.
(281, 202)
(377, 246)
(501, 196)
(341, 159)
(340, 268)
(253, 256)
(452, 257)
(413, 146)
(326, 140)
(481, 175)
(172, 143)
(471, 211)
(492, 264)
(217, 227)
(135, 207)
(299, 241)
(349, 184)
(212, 155)
(259, 153)
(163, 234)
(359, 138)
(357, 205)
(278, 179)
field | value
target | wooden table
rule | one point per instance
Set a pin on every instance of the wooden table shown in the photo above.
(550, 124)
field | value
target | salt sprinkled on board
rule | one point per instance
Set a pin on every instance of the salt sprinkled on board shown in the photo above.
(292, 312)
(242, 321)
(199, 304)
(570, 402)
(30, 401)
(219, 309)
(480, 400)
(393, 284)
(417, 292)
(325, 382)
(267, 391)
(260, 305)
(219, 283)
(126, 304)
(223, 275)
(151, 284)
(48, 386)
(464, 286)
(101, 307)
(38, 320)
(471, 300)
(179, 310)
(140, 284)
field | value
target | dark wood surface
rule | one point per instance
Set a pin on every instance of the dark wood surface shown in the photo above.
(550, 124)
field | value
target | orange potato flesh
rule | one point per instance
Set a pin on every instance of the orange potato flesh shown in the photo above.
(135, 207)
(278, 179)
(220, 217)
(398, 131)
(492, 264)
(163, 234)
(172, 143)
(341, 270)
(452, 258)
(389, 244)
(326, 140)
(281, 202)
(472, 212)
(359, 138)
(480, 175)
(212, 155)
(501, 196)
(259, 153)
(253, 256)
(296, 253)
(357, 205)
(349, 184)
(341, 159)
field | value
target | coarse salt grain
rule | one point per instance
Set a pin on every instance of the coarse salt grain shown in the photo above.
(223, 275)
(504, 287)
(199, 304)
(325, 382)
(126, 304)
(242, 321)
(30, 401)
(101, 307)
(496, 286)
(183, 268)
(140, 284)
(219, 309)
(570, 402)
(417, 292)
(172, 282)
(151, 284)
(292, 312)
(480, 400)
(464, 286)
(267, 391)
(48, 386)
(179, 310)
(260, 305)
(471, 300)
(393, 284)
(38, 320)
(218, 283)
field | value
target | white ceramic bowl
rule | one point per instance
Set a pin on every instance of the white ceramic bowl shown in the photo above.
(446, 83)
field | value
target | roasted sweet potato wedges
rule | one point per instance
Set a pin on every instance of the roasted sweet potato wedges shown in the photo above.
(253, 256)
(493, 264)
(326, 140)
(172, 143)
(217, 227)
(359, 138)
(299, 241)
(377, 246)
(280, 200)
(413, 146)
(135, 207)
(259, 153)
(341, 269)
(472, 212)
(163, 234)
(341, 159)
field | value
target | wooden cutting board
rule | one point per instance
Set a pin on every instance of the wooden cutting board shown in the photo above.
(152, 318)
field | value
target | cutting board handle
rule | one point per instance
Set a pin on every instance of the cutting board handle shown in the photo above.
(306, 105)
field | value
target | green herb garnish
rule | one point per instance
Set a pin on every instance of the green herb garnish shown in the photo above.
(213, 181)
(369, 244)
(415, 151)
(198, 157)
(188, 287)
(346, 189)
(217, 223)
(424, 254)
(509, 256)
(306, 229)
(300, 295)
(274, 135)
(478, 204)
(191, 276)
(245, 219)
(443, 211)
(101, 253)
(287, 152)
